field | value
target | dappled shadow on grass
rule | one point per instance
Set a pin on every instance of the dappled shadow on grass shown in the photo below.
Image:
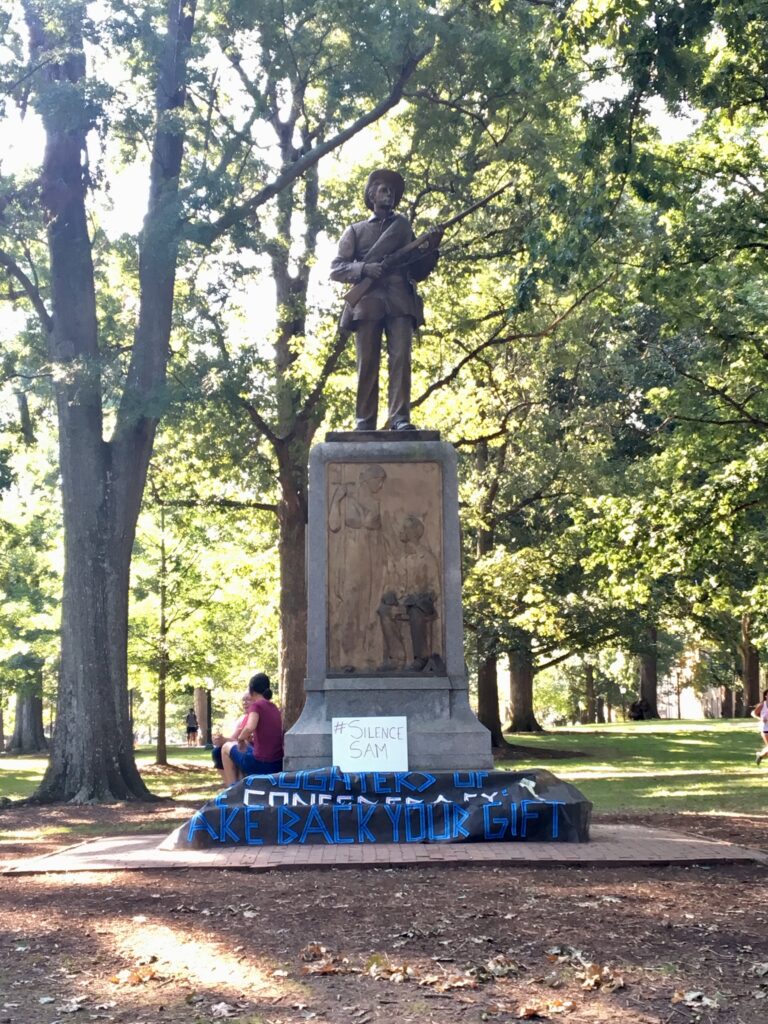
(517, 752)
(30, 775)
(665, 769)
(702, 792)
(171, 769)
(181, 787)
(43, 828)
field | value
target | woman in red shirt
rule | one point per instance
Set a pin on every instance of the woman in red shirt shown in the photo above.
(259, 746)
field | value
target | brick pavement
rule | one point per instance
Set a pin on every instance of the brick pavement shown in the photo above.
(610, 846)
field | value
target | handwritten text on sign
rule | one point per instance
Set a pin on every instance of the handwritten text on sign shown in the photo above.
(370, 744)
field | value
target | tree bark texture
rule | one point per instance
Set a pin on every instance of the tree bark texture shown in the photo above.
(102, 481)
(728, 705)
(297, 421)
(649, 672)
(750, 665)
(589, 685)
(161, 748)
(28, 735)
(163, 663)
(489, 469)
(600, 711)
(488, 700)
(200, 704)
(522, 717)
(292, 519)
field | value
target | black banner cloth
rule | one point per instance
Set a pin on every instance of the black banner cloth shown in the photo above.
(330, 807)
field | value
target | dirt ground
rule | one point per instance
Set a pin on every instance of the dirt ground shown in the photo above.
(443, 945)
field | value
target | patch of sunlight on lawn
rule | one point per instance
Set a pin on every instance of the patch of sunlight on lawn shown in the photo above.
(605, 770)
(189, 774)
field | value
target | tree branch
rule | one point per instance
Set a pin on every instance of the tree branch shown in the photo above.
(506, 339)
(259, 422)
(219, 503)
(207, 233)
(29, 287)
(329, 366)
(468, 442)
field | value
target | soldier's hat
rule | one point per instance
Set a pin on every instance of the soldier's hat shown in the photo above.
(391, 178)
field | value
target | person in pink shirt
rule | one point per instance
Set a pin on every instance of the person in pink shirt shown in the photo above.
(258, 748)
(761, 713)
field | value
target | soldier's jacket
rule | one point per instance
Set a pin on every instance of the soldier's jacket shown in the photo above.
(393, 295)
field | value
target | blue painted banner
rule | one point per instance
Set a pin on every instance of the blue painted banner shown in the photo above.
(331, 807)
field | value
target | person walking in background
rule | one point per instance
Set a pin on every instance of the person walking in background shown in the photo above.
(192, 727)
(761, 714)
(259, 746)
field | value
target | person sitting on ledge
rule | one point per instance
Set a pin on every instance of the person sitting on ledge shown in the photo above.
(259, 746)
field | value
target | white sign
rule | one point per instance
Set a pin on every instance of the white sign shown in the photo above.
(370, 744)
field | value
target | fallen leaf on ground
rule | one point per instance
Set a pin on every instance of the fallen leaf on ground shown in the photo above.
(134, 975)
(694, 999)
(595, 976)
(219, 1010)
(313, 951)
(445, 982)
(72, 1005)
(531, 1011)
(501, 966)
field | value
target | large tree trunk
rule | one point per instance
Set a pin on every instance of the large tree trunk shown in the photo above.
(649, 673)
(488, 699)
(297, 421)
(727, 705)
(589, 685)
(292, 519)
(102, 482)
(161, 749)
(601, 710)
(163, 664)
(750, 665)
(28, 735)
(487, 670)
(200, 700)
(523, 718)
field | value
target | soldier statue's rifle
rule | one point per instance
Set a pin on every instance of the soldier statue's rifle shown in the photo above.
(400, 257)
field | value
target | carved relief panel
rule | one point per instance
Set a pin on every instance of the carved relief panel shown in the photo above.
(385, 568)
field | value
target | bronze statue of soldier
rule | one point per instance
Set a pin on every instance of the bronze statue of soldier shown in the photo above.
(390, 306)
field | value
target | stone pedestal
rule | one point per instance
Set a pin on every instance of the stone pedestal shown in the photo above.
(385, 634)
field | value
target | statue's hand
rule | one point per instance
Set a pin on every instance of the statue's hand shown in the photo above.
(373, 270)
(433, 239)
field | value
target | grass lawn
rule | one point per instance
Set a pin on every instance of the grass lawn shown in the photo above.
(189, 776)
(666, 766)
(663, 766)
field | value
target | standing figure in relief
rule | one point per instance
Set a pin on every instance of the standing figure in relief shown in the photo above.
(411, 597)
(356, 574)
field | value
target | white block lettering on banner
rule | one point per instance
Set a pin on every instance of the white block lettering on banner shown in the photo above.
(370, 744)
